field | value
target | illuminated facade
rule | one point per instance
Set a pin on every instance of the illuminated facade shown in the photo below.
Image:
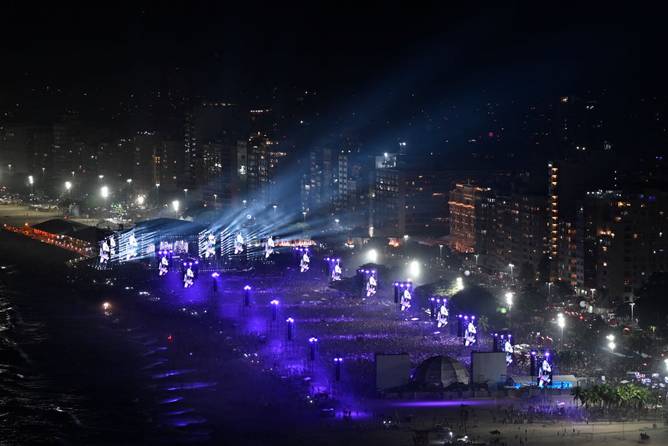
(258, 159)
(553, 218)
(511, 230)
(463, 203)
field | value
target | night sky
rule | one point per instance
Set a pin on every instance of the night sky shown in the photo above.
(224, 49)
(394, 64)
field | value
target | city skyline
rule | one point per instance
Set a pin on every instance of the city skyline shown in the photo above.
(397, 223)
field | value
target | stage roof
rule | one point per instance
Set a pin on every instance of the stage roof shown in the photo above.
(91, 234)
(60, 226)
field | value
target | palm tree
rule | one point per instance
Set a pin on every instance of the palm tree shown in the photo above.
(625, 394)
(609, 395)
(579, 395)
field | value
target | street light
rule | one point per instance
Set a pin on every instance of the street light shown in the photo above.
(611, 342)
(632, 304)
(414, 269)
(561, 322)
(31, 181)
(274, 309)
(68, 186)
(185, 194)
(104, 192)
(372, 256)
(440, 251)
(140, 200)
(509, 299)
(176, 205)
(509, 302)
(511, 266)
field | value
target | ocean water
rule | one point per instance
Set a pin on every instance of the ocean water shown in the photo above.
(31, 411)
(146, 373)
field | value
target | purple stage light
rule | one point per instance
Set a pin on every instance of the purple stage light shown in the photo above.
(290, 323)
(338, 360)
(247, 289)
(313, 341)
(274, 309)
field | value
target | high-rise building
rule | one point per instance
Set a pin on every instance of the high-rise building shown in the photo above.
(167, 164)
(209, 126)
(567, 254)
(258, 161)
(387, 211)
(464, 204)
(625, 241)
(511, 230)
(336, 182)
(426, 201)
(318, 185)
